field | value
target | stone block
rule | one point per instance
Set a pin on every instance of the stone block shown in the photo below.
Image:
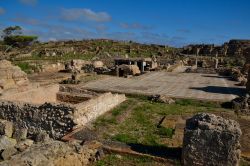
(6, 128)
(6, 142)
(20, 134)
(7, 153)
(211, 140)
(23, 145)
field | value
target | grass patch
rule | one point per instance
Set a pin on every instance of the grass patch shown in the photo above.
(125, 138)
(112, 159)
(141, 125)
(26, 67)
(122, 107)
(167, 132)
(197, 103)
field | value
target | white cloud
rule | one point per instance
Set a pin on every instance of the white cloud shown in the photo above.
(2, 11)
(78, 14)
(28, 2)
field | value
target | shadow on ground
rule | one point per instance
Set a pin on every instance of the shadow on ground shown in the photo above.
(213, 76)
(221, 90)
(159, 151)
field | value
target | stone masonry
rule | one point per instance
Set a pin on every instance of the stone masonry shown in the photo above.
(247, 67)
(11, 76)
(57, 118)
(211, 140)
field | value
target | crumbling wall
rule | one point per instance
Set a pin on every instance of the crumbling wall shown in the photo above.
(12, 76)
(91, 109)
(55, 119)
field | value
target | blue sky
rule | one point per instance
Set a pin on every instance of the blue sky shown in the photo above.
(170, 22)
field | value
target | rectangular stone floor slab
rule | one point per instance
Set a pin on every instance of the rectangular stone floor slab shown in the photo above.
(177, 85)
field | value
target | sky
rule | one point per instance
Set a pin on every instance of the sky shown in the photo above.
(168, 22)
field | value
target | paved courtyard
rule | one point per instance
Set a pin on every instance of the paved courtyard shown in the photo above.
(177, 85)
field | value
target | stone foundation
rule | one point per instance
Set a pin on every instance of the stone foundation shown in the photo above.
(57, 115)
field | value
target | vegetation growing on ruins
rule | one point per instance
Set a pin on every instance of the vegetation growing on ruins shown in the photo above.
(136, 120)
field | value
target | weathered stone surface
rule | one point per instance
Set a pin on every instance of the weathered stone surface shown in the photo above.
(11, 76)
(23, 145)
(57, 119)
(42, 137)
(6, 128)
(7, 153)
(241, 104)
(20, 133)
(162, 99)
(6, 142)
(54, 153)
(211, 140)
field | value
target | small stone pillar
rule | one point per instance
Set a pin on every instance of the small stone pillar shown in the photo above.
(211, 140)
(216, 61)
(142, 67)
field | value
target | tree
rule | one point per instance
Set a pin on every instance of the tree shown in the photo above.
(13, 36)
(12, 30)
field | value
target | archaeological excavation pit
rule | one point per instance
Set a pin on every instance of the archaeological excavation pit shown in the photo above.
(56, 109)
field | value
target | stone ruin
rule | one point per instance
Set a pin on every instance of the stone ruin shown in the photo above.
(17, 149)
(211, 140)
(231, 48)
(241, 104)
(56, 110)
(12, 77)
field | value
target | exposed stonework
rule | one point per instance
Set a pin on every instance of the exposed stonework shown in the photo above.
(211, 140)
(66, 111)
(125, 70)
(11, 76)
(231, 48)
(241, 105)
(55, 153)
(247, 67)
(6, 128)
(161, 99)
(76, 65)
(56, 119)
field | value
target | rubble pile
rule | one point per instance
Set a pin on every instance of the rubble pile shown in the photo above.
(41, 150)
(241, 104)
(161, 99)
(211, 140)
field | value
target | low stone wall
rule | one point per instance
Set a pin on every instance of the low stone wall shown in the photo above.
(57, 119)
(91, 109)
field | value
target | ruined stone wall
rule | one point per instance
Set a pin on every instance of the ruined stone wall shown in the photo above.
(55, 119)
(55, 67)
(11, 76)
(91, 109)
